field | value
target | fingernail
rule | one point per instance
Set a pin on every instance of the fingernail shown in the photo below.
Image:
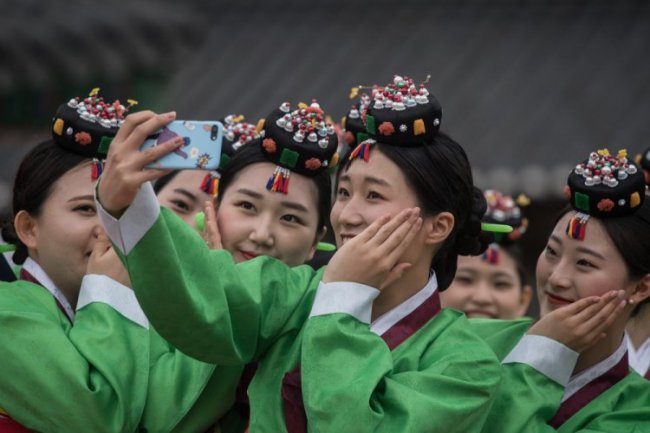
(170, 115)
(622, 304)
(178, 141)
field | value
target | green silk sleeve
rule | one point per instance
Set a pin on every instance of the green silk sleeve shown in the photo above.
(443, 378)
(55, 377)
(206, 305)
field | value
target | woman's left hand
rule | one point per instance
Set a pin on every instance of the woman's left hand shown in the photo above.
(125, 171)
(210, 232)
(104, 261)
(372, 257)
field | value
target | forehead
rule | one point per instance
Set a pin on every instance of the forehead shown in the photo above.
(188, 179)
(596, 237)
(506, 264)
(75, 182)
(378, 166)
(254, 178)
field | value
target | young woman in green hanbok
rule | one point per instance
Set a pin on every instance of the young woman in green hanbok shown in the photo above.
(569, 371)
(494, 284)
(361, 345)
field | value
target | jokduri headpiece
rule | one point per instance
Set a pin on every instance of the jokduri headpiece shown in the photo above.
(298, 140)
(236, 133)
(87, 126)
(399, 114)
(503, 209)
(604, 186)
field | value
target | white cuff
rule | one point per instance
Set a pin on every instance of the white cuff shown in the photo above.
(136, 221)
(551, 358)
(101, 288)
(346, 297)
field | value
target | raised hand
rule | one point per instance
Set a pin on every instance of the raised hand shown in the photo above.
(583, 323)
(124, 172)
(104, 261)
(372, 257)
(210, 232)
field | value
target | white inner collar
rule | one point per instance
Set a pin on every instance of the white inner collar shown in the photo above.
(639, 358)
(387, 320)
(581, 379)
(39, 274)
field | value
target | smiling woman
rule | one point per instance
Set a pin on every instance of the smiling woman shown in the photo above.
(254, 221)
(570, 372)
(46, 358)
(494, 284)
(406, 208)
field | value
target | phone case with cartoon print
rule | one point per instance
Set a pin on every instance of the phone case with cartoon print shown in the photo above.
(202, 148)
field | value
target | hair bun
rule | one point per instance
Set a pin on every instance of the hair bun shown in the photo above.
(471, 240)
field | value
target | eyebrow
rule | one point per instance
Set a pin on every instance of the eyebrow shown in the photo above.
(186, 193)
(367, 179)
(287, 204)
(82, 197)
(590, 252)
(581, 249)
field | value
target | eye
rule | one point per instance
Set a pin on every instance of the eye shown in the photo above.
(85, 209)
(342, 192)
(586, 263)
(464, 280)
(503, 284)
(372, 195)
(291, 219)
(245, 205)
(549, 251)
(180, 205)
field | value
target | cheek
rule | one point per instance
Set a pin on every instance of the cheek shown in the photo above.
(455, 297)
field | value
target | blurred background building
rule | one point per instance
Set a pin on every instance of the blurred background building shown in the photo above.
(528, 87)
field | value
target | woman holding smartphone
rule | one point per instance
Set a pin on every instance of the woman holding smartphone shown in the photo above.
(260, 309)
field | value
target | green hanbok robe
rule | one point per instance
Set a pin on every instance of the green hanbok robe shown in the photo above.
(539, 393)
(220, 312)
(60, 377)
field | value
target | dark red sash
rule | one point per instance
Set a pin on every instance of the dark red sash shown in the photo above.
(294, 410)
(8, 425)
(647, 374)
(589, 392)
(26, 276)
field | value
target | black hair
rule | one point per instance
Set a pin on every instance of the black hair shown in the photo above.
(630, 234)
(440, 174)
(37, 174)
(252, 154)
(161, 182)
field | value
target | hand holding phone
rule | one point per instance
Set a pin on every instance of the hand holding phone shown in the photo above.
(202, 148)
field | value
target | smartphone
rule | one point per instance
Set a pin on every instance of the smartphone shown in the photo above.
(202, 148)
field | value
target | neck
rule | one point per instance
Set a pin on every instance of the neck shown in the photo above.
(71, 294)
(411, 282)
(601, 350)
(637, 327)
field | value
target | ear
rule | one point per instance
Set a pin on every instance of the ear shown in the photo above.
(26, 229)
(319, 237)
(641, 291)
(437, 228)
(524, 300)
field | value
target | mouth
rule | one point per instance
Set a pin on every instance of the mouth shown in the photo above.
(557, 300)
(247, 255)
(346, 237)
(480, 314)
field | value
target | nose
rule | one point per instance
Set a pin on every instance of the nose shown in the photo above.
(482, 294)
(348, 213)
(559, 277)
(98, 231)
(262, 233)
